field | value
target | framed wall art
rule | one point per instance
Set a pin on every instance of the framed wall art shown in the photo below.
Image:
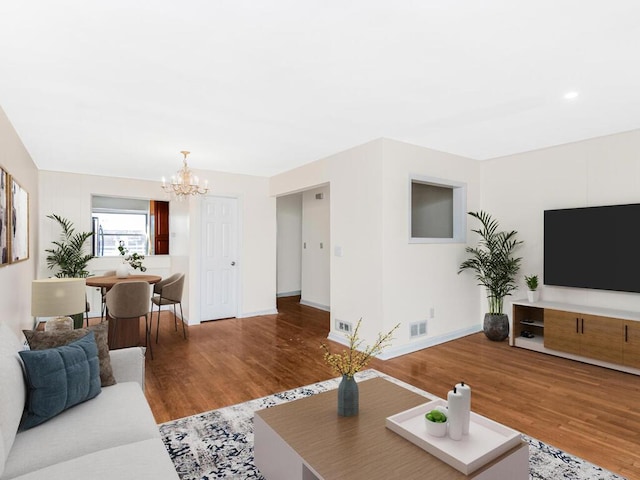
(4, 217)
(18, 222)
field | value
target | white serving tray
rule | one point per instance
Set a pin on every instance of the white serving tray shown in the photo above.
(487, 440)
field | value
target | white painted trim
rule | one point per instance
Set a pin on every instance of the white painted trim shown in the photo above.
(427, 342)
(240, 252)
(315, 305)
(289, 294)
(270, 311)
(587, 309)
(414, 346)
(239, 199)
(338, 337)
(459, 208)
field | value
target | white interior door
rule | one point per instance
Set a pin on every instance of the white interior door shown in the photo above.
(219, 258)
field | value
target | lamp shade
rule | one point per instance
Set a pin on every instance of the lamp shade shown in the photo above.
(51, 297)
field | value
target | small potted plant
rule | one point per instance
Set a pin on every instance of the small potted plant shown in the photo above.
(532, 284)
(436, 422)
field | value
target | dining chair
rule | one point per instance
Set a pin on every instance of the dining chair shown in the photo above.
(87, 309)
(129, 301)
(103, 293)
(169, 292)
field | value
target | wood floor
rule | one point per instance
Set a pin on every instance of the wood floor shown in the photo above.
(589, 411)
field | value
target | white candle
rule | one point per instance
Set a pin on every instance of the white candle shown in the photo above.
(455, 403)
(465, 390)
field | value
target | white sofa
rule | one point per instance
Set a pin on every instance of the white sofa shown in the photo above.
(112, 436)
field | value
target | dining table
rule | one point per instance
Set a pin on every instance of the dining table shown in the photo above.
(128, 333)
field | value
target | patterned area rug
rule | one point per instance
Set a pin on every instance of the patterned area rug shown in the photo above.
(219, 443)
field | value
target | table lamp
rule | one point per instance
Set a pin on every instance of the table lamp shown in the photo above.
(58, 297)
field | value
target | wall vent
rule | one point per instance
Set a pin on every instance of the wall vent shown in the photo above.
(418, 329)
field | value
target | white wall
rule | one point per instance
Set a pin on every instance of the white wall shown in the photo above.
(419, 277)
(289, 242)
(15, 279)
(257, 233)
(518, 188)
(380, 277)
(316, 248)
(70, 196)
(355, 180)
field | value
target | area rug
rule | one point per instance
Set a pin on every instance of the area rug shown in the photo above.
(219, 443)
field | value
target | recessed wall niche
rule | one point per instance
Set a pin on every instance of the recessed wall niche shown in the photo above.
(437, 210)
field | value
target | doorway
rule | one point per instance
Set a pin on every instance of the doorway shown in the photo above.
(303, 240)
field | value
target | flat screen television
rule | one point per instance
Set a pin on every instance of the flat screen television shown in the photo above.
(594, 247)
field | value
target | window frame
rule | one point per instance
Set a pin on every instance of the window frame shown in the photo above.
(459, 214)
(149, 214)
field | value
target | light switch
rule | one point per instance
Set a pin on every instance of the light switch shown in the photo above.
(337, 251)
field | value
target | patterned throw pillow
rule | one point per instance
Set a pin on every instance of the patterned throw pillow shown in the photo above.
(59, 378)
(43, 340)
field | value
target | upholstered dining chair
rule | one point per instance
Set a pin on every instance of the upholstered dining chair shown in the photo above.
(103, 293)
(87, 309)
(129, 301)
(169, 292)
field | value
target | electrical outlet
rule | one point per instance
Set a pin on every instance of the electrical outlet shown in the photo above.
(343, 326)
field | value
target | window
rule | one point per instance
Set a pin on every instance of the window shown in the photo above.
(437, 210)
(141, 226)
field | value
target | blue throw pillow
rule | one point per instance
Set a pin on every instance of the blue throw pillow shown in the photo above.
(59, 378)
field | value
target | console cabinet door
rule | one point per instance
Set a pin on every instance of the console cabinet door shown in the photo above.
(601, 338)
(561, 331)
(631, 348)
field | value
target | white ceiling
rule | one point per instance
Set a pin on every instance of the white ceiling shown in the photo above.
(119, 87)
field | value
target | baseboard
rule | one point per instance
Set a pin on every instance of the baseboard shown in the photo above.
(296, 293)
(421, 344)
(315, 305)
(270, 311)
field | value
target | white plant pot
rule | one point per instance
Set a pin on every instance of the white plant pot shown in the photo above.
(436, 429)
(533, 295)
(122, 271)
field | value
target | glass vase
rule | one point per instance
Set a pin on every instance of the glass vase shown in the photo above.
(348, 400)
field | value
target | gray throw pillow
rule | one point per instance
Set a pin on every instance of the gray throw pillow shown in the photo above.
(59, 378)
(42, 340)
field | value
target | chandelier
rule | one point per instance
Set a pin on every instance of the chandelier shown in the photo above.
(184, 182)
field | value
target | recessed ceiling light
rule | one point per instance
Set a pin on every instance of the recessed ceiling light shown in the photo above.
(571, 95)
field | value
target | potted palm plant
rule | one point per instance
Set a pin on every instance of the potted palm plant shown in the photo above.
(495, 267)
(67, 256)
